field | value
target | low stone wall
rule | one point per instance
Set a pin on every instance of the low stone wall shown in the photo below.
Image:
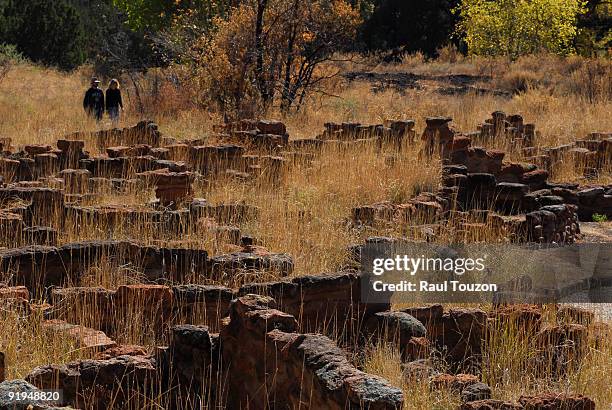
(269, 364)
(514, 197)
(259, 360)
(320, 303)
(43, 266)
(98, 384)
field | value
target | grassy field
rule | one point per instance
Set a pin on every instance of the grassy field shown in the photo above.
(307, 214)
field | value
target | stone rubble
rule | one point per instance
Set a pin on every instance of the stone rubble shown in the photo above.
(264, 339)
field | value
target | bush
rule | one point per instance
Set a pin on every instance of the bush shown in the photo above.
(518, 81)
(592, 80)
(9, 56)
(600, 218)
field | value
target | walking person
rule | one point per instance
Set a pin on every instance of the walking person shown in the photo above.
(93, 103)
(113, 101)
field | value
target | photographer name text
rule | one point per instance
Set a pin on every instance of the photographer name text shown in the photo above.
(425, 286)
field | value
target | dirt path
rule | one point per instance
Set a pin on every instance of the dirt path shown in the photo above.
(451, 84)
(594, 232)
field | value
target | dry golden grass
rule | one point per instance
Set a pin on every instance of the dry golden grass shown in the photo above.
(26, 344)
(384, 361)
(306, 214)
(511, 367)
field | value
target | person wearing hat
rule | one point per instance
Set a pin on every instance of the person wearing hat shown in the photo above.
(93, 103)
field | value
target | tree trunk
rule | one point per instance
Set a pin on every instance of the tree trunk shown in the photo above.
(259, 53)
(287, 101)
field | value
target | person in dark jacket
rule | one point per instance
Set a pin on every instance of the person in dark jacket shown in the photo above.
(113, 101)
(93, 103)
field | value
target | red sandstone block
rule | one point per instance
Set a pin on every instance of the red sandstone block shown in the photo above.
(451, 381)
(36, 149)
(556, 401)
(524, 315)
(148, 298)
(116, 152)
(70, 145)
(490, 404)
(121, 350)
(271, 127)
(461, 143)
(536, 176)
(14, 292)
(83, 337)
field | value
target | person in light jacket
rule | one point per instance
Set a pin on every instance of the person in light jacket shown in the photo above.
(113, 101)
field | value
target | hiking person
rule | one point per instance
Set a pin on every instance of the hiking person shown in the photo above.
(93, 103)
(113, 100)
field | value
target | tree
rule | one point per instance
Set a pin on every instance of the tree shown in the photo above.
(50, 32)
(154, 15)
(595, 35)
(408, 25)
(270, 51)
(517, 27)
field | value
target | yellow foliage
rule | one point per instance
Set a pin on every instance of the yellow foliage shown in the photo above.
(519, 27)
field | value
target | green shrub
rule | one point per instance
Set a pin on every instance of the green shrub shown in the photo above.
(600, 218)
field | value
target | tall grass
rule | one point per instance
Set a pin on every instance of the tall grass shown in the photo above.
(305, 210)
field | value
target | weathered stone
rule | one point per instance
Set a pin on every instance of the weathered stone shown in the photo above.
(417, 348)
(476, 391)
(96, 382)
(76, 181)
(271, 127)
(453, 382)
(82, 337)
(554, 401)
(121, 350)
(9, 388)
(154, 301)
(454, 169)
(195, 360)
(562, 346)
(11, 292)
(573, 314)
(490, 405)
(425, 314)
(37, 149)
(227, 265)
(173, 187)
(535, 179)
(11, 226)
(209, 303)
(41, 235)
(418, 370)
(460, 332)
(210, 159)
(70, 145)
(438, 136)
(106, 167)
(311, 363)
(145, 132)
(525, 316)
(162, 154)
(9, 169)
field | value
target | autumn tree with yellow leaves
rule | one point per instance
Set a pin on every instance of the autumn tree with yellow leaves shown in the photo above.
(518, 27)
